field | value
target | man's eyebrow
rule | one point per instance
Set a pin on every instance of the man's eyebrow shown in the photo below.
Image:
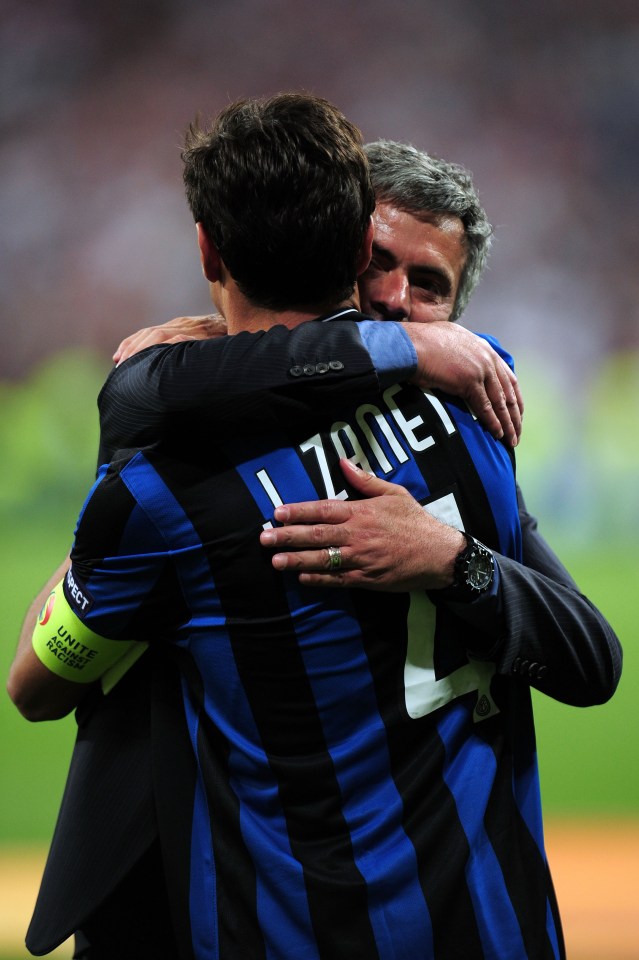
(384, 251)
(423, 272)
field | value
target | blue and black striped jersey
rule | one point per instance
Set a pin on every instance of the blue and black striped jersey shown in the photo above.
(366, 788)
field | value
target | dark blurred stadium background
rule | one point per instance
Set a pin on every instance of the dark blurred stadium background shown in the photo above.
(540, 100)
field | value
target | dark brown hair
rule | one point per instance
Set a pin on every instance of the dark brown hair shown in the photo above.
(282, 188)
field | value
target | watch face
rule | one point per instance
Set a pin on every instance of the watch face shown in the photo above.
(480, 570)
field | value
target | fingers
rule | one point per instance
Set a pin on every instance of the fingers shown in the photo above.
(309, 561)
(498, 403)
(123, 350)
(147, 337)
(314, 512)
(457, 361)
(312, 526)
(311, 536)
(313, 568)
(512, 398)
(367, 483)
(518, 397)
(338, 579)
(308, 547)
(131, 346)
(337, 511)
(173, 331)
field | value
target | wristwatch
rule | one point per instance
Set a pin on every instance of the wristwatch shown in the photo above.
(474, 571)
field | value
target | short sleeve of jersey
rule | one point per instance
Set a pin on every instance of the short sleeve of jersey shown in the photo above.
(121, 584)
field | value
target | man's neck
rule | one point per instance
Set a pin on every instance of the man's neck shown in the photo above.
(253, 320)
(242, 315)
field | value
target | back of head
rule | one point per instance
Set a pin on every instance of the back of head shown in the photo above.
(282, 188)
(428, 187)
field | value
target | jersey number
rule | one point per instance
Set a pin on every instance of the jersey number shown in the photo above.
(424, 691)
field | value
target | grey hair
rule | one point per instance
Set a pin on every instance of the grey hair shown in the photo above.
(421, 184)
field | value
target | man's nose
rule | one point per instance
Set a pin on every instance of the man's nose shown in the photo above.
(392, 297)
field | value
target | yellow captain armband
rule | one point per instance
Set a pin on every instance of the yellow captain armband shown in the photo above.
(68, 648)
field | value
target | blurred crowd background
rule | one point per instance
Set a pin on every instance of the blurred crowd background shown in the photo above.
(540, 100)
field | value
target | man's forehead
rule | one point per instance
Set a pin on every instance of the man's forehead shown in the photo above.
(421, 241)
(391, 220)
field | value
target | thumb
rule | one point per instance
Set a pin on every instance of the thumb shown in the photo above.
(366, 483)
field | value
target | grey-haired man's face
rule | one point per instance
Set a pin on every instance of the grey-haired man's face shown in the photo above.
(415, 269)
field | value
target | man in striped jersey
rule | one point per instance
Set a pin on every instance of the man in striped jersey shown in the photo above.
(366, 781)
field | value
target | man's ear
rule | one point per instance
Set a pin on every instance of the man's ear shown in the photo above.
(366, 250)
(209, 255)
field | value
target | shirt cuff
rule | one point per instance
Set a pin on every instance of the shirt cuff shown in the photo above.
(391, 350)
(484, 617)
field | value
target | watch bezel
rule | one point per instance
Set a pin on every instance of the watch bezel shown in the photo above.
(467, 568)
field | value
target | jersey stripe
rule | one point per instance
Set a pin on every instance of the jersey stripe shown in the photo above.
(339, 671)
(173, 522)
(498, 924)
(488, 460)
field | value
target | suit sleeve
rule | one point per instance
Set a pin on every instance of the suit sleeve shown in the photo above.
(229, 380)
(542, 630)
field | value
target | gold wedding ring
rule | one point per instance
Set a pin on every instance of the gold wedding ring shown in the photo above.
(334, 558)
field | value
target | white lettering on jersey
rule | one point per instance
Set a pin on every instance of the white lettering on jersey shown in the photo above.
(315, 444)
(361, 436)
(357, 456)
(369, 410)
(441, 411)
(407, 427)
(271, 492)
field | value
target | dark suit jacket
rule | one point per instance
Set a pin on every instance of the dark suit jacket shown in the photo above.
(131, 761)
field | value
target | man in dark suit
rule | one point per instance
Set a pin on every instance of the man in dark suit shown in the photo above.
(582, 665)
